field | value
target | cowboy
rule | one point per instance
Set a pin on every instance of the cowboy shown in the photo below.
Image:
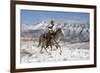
(51, 27)
(51, 31)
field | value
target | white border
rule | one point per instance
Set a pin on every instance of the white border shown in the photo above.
(51, 64)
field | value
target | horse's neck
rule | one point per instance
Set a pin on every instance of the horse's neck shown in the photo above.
(57, 33)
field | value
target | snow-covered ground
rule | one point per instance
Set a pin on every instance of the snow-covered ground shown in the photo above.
(70, 52)
(74, 45)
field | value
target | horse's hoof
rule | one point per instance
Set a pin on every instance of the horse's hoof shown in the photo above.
(54, 49)
(49, 53)
(41, 52)
(30, 55)
(60, 53)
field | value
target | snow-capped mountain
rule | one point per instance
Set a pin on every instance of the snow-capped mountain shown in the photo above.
(44, 24)
(74, 30)
(38, 26)
(25, 27)
(41, 25)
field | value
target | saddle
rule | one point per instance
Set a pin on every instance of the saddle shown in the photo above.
(50, 36)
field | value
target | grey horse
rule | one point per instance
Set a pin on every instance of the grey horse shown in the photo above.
(54, 41)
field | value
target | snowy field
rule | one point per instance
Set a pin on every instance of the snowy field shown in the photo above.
(74, 45)
(30, 53)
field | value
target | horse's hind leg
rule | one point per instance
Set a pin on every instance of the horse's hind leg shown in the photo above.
(42, 46)
(41, 50)
(47, 50)
(50, 46)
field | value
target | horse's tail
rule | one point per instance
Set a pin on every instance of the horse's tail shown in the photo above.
(39, 41)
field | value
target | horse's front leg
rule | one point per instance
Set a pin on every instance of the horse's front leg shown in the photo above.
(50, 44)
(58, 46)
(60, 50)
(47, 51)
